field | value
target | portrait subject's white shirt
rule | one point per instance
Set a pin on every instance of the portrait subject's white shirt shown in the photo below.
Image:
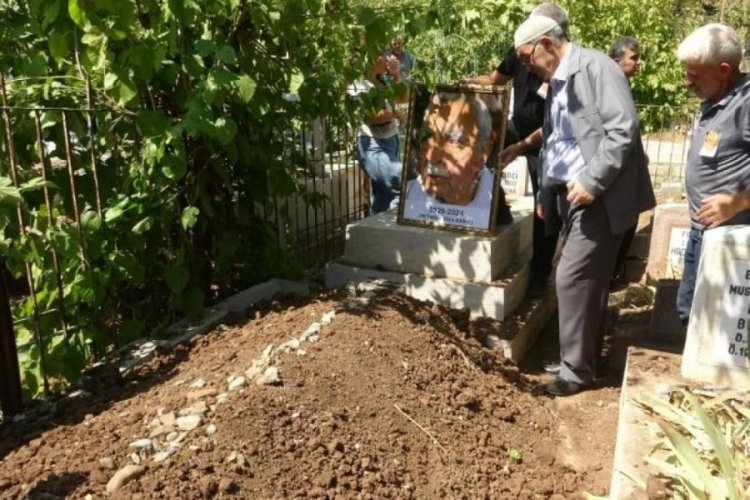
(420, 206)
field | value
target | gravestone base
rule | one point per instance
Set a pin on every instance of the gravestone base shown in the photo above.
(496, 299)
(379, 242)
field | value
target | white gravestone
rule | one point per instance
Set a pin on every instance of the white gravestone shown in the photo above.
(716, 349)
(676, 252)
(515, 177)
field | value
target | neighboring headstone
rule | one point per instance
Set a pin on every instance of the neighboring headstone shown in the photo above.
(515, 177)
(668, 241)
(716, 349)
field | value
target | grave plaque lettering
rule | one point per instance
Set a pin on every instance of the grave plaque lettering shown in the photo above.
(676, 254)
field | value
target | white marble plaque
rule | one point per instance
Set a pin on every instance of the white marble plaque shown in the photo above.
(734, 315)
(716, 349)
(678, 238)
(515, 176)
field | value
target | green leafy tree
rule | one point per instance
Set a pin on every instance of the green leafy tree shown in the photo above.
(190, 134)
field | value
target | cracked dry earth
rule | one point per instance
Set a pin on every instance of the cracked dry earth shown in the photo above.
(370, 396)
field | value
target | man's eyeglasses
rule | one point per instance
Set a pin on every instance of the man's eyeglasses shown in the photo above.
(527, 58)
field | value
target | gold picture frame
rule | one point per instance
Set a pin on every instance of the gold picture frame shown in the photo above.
(451, 178)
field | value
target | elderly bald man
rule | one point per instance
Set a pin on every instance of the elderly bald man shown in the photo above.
(593, 160)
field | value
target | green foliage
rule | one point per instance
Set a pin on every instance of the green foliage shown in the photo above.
(703, 449)
(188, 138)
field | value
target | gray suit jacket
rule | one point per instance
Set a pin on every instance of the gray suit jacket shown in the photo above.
(605, 123)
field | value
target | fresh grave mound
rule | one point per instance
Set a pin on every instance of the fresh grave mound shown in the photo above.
(337, 396)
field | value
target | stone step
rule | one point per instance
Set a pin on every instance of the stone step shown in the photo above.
(494, 299)
(378, 242)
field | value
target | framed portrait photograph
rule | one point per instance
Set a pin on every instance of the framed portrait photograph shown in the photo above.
(451, 177)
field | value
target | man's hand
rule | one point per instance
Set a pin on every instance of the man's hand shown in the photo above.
(577, 195)
(510, 153)
(719, 208)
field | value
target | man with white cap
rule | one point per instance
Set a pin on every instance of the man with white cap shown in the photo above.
(529, 92)
(593, 161)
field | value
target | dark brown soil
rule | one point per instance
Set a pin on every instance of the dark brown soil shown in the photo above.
(395, 398)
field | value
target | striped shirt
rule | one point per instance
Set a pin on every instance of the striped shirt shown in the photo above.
(561, 150)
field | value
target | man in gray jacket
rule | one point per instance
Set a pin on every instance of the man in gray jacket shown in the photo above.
(596, 171)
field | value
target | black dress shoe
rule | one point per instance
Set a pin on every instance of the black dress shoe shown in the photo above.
(563, 387)
(552, 368)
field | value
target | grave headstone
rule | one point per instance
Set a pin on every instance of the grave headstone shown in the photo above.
(716, 349)
(668, 241)
(515, 177)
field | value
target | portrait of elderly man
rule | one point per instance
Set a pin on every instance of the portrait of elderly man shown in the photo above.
(453, 185)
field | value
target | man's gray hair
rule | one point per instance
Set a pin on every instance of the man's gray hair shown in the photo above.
(557, 14)
(711, 44)
(617, 51)
(482, 113)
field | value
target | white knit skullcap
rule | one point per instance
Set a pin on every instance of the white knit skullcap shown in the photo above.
(532, 28)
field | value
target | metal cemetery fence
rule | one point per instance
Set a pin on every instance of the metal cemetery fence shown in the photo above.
(64, 154)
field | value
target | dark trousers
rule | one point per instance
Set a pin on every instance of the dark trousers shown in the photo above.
(622, 253)
(543, 246)
(689, 274)
(582, 282)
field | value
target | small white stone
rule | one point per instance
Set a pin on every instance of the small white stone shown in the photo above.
(210, 430)
(222, 398)
(328, 317)
(290, 345)
(237, 383)
(270, 377)
(198, 383)
(124, 475)
(198, 408)
(296, 414)
(163, 455)
(268, 351)
(144, 443)
(301, 352)
(312, 330)
(168, 418)
(254, 372)
(136, 458)
(80, 393)
(107, 463)
(171, 436)
(189, 422)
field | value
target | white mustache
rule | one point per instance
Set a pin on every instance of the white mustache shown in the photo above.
(436, 170)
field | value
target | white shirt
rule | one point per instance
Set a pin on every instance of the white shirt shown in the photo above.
(561, 150)
(420, 206)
